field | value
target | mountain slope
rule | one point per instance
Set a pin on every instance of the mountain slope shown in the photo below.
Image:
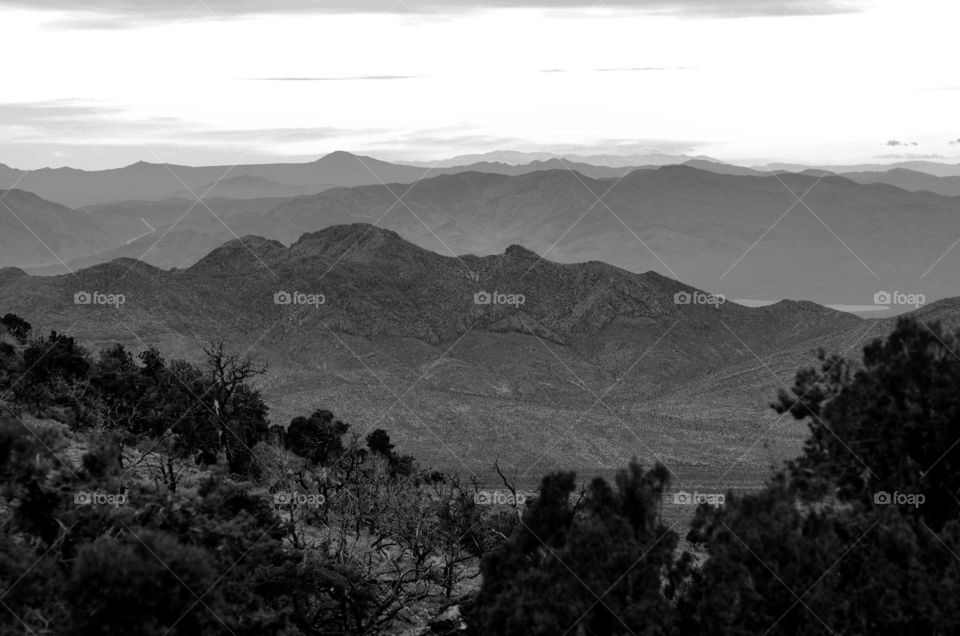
(934, 168)
(246, 187)
(910, 180)
(400, 342)
(35, 232)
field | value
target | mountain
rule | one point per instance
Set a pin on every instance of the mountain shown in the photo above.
(389, 334)
(747, 237)
(723, 168)
(246, 187)
(518, 158)
(508, 157)
(590, 170)
(144, 181)
(168, 233)
(910, 180)
(151, 181)
(36, 232)
(933, 168)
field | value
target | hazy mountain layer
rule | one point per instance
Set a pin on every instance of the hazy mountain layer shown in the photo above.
(744, 236)
(154, 181)
(821, 238)
(38, 233)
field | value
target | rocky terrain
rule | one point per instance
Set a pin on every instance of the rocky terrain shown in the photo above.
(595, 365)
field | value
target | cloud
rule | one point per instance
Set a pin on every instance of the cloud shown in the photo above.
(440, 143)
(627, 69)
(911, 155)
(352, 78)
(107, 135)
(134, 12)
(895, 143)
(58, 112)
(643, 69)
(265, 136)
(955, 142)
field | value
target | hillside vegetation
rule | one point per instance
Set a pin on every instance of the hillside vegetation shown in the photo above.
(146, 496)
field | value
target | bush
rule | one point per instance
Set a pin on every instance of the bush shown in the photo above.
(318, 438)
(143, 583)
(16, 326)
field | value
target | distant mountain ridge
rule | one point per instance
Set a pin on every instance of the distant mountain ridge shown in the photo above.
(152, 181)
(146, 181)
(746, 236)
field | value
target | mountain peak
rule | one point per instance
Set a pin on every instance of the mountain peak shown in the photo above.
(336, 155)
(361, 240)
(518, 251)
(11, 273)
(225, 257)
(366, 232)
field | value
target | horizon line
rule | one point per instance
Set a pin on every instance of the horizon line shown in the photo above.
(479, 157)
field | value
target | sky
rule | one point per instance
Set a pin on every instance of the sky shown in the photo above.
(98, 84)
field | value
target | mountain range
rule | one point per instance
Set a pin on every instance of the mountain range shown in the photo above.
(144, 181)
(764, 237)
(749, 234)
(594, 365)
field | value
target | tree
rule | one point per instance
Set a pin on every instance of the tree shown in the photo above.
(826, 546)
(115, 394)
(888, 427)
(318, 438)
(50, 365)
(56, 356)
(601, 565)
(238, 411)
(17, 326)
(211, 411)
(378, 441)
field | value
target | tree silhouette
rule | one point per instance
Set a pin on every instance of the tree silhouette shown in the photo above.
(602, 564)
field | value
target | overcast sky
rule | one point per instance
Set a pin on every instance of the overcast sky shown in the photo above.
(107, 83)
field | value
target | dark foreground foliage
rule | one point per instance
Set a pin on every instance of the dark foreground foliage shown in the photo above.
(232, 526)
(187, 513)
(859, 535)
